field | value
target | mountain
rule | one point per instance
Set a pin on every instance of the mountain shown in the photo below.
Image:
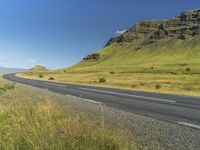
(169, 45)
(154, 55)
(10, 70)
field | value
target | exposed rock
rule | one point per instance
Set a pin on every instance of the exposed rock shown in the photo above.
(182, 26)
(137, 48)
(94, 56)
(161, 26)
(147, 42)
(182, 37)
(159, 34)
(115, 40)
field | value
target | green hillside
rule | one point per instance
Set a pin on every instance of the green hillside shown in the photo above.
(167, 55)
(157, 55)
(163, 45)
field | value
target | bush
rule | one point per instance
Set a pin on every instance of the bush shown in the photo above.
(187, 88)
(134, 86)
(51, 78)
(152, 68)
(188, 69)
(40, 76)
(102, 80)
(142, 84)
(112, 72)
(158, 86)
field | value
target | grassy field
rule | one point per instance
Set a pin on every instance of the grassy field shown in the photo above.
(35, 120)
(170, 66)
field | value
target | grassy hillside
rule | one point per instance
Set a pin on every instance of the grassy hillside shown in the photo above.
(167, 55)
(170, 66)
(38, 69)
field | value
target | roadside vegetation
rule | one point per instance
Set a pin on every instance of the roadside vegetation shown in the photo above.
(174, 83)
(35, 120)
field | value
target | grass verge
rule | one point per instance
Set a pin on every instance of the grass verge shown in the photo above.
(181, 83)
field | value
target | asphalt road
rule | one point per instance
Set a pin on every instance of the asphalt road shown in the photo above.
(182, 110)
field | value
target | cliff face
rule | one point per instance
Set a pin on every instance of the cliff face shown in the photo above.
(182, 26)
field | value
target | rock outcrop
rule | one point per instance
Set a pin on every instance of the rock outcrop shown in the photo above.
(185, 25)
(94, 56)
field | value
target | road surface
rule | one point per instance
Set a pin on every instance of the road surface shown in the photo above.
(182, 110)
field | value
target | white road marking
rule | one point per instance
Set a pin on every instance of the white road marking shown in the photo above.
(54, 84)
(129, 95)
(86, 100)
(189, 125)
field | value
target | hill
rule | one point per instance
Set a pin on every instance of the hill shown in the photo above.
(155, 55)
(38, 69)
(168, 45)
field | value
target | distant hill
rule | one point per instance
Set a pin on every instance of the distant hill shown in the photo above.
(10, 70)
(38, 69)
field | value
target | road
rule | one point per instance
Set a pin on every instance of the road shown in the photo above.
(182, 110)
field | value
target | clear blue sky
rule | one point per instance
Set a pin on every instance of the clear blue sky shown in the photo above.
(59, 33)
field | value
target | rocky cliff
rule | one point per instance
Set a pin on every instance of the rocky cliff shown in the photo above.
(182, 26)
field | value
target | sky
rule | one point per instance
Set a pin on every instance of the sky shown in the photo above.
(59, 33)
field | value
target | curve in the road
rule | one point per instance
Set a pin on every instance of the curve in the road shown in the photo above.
(183, 110)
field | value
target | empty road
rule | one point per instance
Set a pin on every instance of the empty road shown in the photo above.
(182, 110)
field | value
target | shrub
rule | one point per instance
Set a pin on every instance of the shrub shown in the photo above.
(188, 88)
(51, 78)
(40, 76)
(158, 86)
(142, 84)
(188, 69)
(112, 72)
(134, 86)
(152, 68)
(102, 80)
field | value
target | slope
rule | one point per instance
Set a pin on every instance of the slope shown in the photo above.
(156, 56)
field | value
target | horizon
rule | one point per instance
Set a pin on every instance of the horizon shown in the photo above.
(58, 34)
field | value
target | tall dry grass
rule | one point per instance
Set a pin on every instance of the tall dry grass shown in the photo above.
(31, 120)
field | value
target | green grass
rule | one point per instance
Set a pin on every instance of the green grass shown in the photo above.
(35, 120)
(166, 55)
(5, 87)
(172, 63)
